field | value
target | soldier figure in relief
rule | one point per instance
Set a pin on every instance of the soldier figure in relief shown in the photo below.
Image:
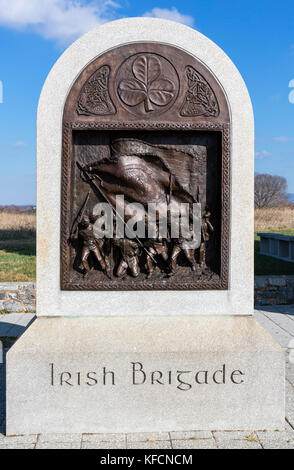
(129, 250)
(182, 244)
(154, 247)
(91, 244)
(178, 246)
(206, 230)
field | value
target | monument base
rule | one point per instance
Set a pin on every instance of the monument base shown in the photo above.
(92, 375)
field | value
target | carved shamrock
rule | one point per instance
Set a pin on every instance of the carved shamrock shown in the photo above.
(148, 86)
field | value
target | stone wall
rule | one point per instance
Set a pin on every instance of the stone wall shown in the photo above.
(268, 290)
(18, 297)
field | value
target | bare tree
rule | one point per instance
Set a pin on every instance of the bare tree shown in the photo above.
(270, 190)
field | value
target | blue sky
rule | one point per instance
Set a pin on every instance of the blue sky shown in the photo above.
(257, 35)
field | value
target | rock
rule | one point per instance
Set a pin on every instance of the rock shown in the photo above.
(25, 295)
(12, 307)
(30, 308)
(277, 281)
(12, 295)
(260, 281)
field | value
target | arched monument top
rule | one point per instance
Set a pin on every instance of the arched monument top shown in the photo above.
(131, 30)
(229, 111)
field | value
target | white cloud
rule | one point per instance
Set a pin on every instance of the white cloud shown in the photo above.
(262, 154)
(283, 139)
(170, 14)
(19, 143)
(60, 20)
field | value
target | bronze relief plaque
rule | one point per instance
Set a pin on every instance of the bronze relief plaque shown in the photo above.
(145, 174)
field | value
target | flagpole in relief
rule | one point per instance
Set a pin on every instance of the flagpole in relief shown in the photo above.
(101, 191)
(79, 216)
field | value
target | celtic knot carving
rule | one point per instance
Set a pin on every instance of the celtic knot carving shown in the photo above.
(200, 99)
(94, 98)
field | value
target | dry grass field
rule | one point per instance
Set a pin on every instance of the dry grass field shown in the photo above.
(17, 247)
(21, 225)
(274, 219)
(18, 243)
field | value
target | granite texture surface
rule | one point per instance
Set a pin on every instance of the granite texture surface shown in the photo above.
(145, 374)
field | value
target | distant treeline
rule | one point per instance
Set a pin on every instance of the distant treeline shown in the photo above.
(13, 209)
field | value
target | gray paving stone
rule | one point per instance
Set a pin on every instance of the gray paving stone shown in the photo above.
(194, 444)
(104, 438)
(277, 443)
(191, 435)
(58, 445)
(147, 436)
(291, 379)
(282, 320)
(238, 444)
(270, 436)
(25, 319)
(60, 438)
(290, 417)
(149, 445)
(103, 445)
(17, 445)
(27, 439)
(289, 399)
(281, 336)
(289, 430)
(231, 435)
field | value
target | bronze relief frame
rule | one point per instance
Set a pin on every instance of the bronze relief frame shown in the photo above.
(148, 91)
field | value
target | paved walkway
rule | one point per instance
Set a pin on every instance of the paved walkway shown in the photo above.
(278, 320)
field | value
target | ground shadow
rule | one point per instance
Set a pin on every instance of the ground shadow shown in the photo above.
(16, 332)
(22, 242)
(12, 330)
(269, 266)
(281, 309)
